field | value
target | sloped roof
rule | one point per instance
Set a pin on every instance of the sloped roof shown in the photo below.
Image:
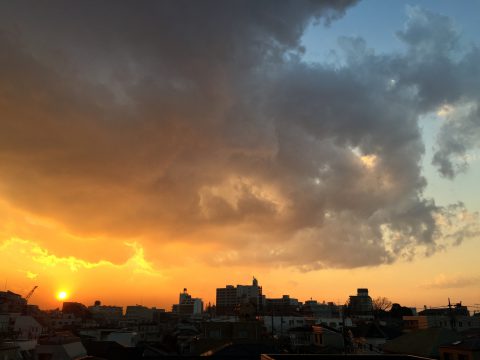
(467, 344)
(422, 342)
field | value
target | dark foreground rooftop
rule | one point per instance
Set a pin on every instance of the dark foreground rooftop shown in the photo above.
(340, 356)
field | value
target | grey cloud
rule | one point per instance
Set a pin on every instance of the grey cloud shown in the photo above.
(444, 72)
(196, 119)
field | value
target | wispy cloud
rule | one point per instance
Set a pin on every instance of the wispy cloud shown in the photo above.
(443, 281)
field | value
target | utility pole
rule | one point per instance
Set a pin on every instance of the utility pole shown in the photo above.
(450, 314)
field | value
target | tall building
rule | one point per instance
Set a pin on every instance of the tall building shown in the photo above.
(188, 305)
(361, 305)
(230, 297)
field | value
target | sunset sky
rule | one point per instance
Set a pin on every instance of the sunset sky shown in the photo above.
(320, 146)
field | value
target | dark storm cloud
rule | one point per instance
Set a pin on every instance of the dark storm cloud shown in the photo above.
(199, 120)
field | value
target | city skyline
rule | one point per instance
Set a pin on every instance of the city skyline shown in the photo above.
(318, 146)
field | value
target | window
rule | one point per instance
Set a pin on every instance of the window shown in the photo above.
(460, 324)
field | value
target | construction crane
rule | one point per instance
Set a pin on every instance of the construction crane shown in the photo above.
(29, 295)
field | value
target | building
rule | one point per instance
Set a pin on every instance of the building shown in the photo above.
(226, 300)
(59, 320)
(424, 343)
(230, 297)
(280, 325)
(11, 302)
(454, 322)
(316, 339)
(321, 310)
(77, 309)
(283, 305)
(125, 338)
(137, 314)
(188, 305)
(327, 337)
(27, 328)
(239, 330)
(106, 314)
(361, 305)
(457, 309)
(467, 349)
(367, 338)
(60, 347)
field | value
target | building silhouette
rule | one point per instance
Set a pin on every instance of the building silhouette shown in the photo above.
(230, 298)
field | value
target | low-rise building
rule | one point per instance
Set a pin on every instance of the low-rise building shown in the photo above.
(139, 313)
(284, 305)
(106, 315)
(280, 325)
(467, 349)
(424, 343)
(27, 328)
(455, 322)
(60, 347)
(11, 302)
(327, 337)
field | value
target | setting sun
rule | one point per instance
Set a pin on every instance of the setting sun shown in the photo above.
(62, 295)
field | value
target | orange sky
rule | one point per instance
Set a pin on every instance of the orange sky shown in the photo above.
(132, 272)
(148, 149)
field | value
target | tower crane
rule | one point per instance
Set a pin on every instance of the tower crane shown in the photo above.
(29, 295)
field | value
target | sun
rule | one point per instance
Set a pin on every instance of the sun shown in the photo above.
(62, 295)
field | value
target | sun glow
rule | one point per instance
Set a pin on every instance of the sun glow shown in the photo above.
(62, 295)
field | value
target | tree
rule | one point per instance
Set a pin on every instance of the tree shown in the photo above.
(381, 304)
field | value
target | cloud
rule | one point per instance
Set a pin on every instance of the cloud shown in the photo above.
(445, 74)
(201, 124)
(32, 253)
(31, 275)
(456, 281)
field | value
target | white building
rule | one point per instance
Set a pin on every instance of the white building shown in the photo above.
(27, 328)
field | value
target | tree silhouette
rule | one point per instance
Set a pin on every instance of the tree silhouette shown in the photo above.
(381, 304)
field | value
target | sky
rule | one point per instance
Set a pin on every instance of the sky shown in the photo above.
(320, 146)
